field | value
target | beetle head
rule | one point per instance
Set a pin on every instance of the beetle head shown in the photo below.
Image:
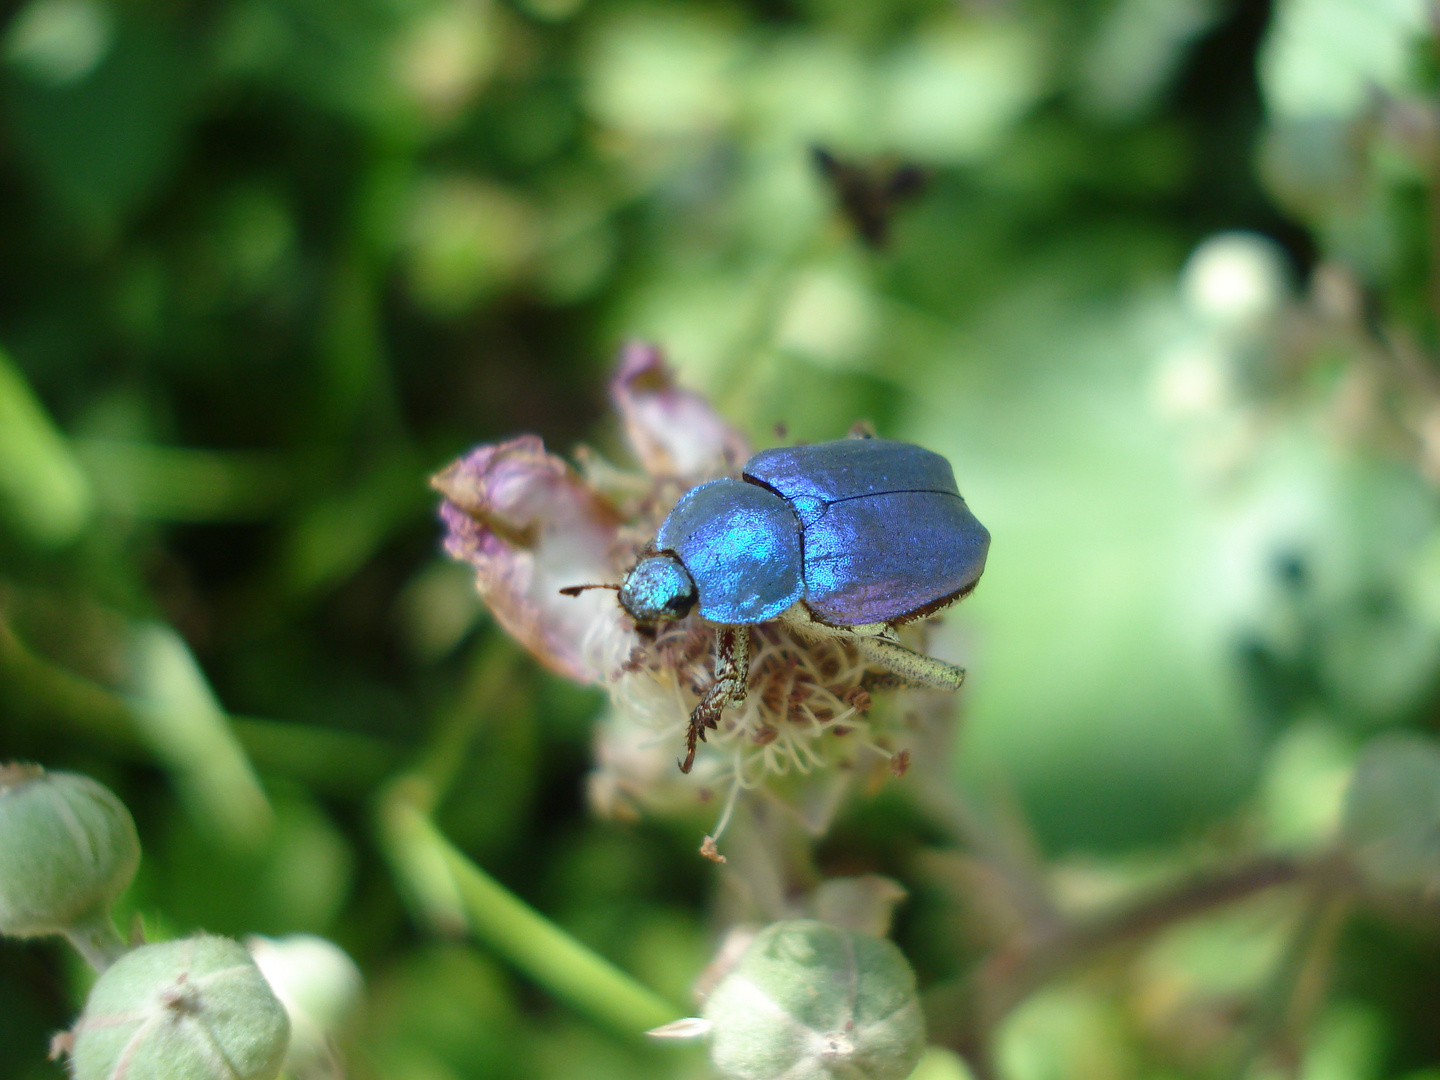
(659, 589)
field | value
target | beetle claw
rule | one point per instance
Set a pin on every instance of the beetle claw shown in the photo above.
(700, 719)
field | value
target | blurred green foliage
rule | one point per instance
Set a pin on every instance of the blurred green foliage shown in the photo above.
(266, 264)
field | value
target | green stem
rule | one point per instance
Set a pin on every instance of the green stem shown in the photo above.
(482, 698)
(744, 357)
(331, 760)
(64, 695)
(98, 942)
(443, 880)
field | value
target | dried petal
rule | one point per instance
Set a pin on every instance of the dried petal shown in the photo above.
(690, 1027)
(674, 432)
(529, 526)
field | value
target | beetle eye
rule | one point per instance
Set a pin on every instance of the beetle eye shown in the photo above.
(679, 606)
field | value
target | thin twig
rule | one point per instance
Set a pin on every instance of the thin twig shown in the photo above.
(999, 849)
(1298, 982)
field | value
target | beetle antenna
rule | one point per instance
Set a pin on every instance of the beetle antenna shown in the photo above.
(576, 590)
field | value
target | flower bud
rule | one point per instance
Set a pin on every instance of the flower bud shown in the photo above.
(1392, 813)
(809, 1001)
(1235, 279)
(68, 848)
(195, 1009)
(318, 984)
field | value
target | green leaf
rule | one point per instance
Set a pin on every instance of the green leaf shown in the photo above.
(1324, 58)
(43, 493)
(103, 141)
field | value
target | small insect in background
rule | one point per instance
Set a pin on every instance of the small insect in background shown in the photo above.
(869, 194)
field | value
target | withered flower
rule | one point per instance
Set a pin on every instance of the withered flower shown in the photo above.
(530, 525)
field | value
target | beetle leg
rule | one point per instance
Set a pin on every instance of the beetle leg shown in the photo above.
(732, 677)
(914, 668)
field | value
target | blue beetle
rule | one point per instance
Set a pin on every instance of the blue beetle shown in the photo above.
(851, 537)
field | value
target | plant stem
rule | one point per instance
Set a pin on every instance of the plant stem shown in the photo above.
(481, 699)
(1298, 982)
(442, 879)
(756, 339)
(98, 942)
(322, 757)
(63, 694)
(1002, 849)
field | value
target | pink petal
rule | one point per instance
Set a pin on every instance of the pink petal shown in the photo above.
(529, 526)
(674, 432)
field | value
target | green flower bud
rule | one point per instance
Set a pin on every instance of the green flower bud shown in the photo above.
(68, 848)
(318, 984)
(1392, 813)
(809, 1001)
(195, 1009)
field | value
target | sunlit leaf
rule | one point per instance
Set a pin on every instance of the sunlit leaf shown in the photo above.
(43, 492)
(1324, 58)
(189, 732)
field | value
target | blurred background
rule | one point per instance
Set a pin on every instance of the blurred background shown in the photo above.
(1159, 277)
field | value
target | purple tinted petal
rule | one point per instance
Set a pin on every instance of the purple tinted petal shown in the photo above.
(529, 526)
(674, 432)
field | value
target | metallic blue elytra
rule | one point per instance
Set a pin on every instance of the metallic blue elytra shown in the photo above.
(886, 534)
(741, 545)
(846, 468)
(862, 530)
